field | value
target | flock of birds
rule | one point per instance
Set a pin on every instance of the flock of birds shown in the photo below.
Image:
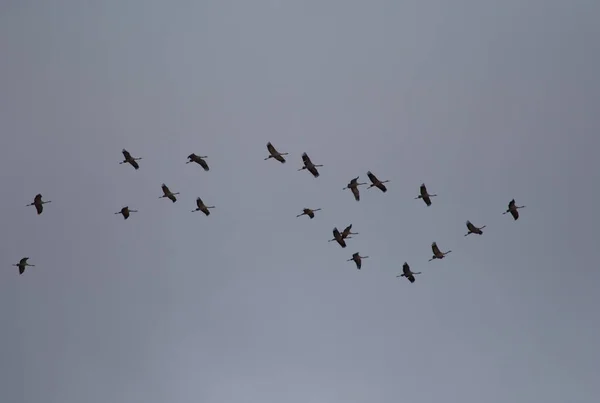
(339, 237)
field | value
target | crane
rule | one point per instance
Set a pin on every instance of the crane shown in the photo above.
(357, 258)
(202, 207)
(38, 203)
(168, 194)
(338, 238)
(309, 212)
(273, 153)
(424, 195)
(473, 229)
(407, 273)
(375, 182)
(125, 211)
(353, 186)
(22, 264)
(437, 254)
(198, 160)
(130, 159)
(512, 209)
(309, 166)
(347, 231)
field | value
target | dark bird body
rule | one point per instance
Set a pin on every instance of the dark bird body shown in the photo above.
(273, 153)
(125, 211)
(353, 186)
(338, 238)
(424, 195)
(198, 160)
(473, 229)
(168, 194)
(375, 182)
(513, 209)
(22, 264)
(129, 159)
(406, 272)
(202, 207)
(357, 259)
(38, 203)
(308, 212)
(309, 166)
(437, 254)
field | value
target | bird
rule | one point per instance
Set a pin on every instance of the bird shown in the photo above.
(512, 209)
(273, 153)
(22, 264)
(202, 207)
(125, 211)
(338, 238)
(424, 195)
(407, 273)
(168, 194)
(130, 159)
(347, 231)
(353, 186)
(437, 254)
(308, 165)
(357, 258)
(473, 229)
(375, 182)
(38, 203)
(309, 212)
(198, 160)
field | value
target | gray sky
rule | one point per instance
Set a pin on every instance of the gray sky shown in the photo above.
(481, 100)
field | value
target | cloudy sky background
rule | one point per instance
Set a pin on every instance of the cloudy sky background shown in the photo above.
(481, 100)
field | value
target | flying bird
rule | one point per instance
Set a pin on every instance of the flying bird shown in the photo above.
(353, 186)
(425, 195)
(198, 160)
(125, 212)
(130, 159)
(357, 258)
(375, 182)
(473, 229)
(407, 273)
(437, 254)
(309, 212)
(309, 166)
(273, 153)
(348, 231)
(512, 209)
(338, 238)
(202, 207)
(22, 264)
(168, 194)
(38, 203)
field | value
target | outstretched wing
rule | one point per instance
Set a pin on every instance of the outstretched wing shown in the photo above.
(165, 189)
(306, 159)
(471, 227)
(23, 261)
(435, 249)
(423, 190)
(126, 154)
(346, 231)
(356, 193)
(372, 177)
(271, 149)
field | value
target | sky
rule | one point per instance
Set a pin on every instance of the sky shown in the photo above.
(484, 101)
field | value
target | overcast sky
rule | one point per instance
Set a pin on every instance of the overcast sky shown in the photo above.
(482, 100)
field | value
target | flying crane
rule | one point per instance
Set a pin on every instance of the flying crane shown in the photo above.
(125, 212)
(198, 160)
(353, 186)
(407, 273)
(512, 209)
(357, 258)
(38, 203)
(168, 194)
(202, 207)
(473, 229)
(309, 166)
(129, 159)
(338, 238)
(375, 182)
(22, 264)
(425, 195)
(348, 231)
(437, 254)
(273, 153)
(308, 212)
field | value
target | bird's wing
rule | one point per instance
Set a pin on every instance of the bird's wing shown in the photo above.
(511, 204)
(406, 270)
(372, 177)
(470, 226)
(423, 190)
(23, 261)
(435, 249)
(271, 149)
(38, 198)
(356, 193)
(126, 154)
(305, 158)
